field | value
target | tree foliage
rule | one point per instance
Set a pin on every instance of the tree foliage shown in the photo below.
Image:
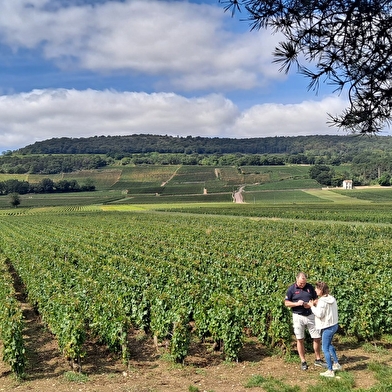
(322, 174)
(14, 187)
(14, 199)
(344, 42)
(385, 180)
(61, 154)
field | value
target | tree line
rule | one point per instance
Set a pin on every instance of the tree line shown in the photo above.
(46, 185)
(49, 164)
(117, 146)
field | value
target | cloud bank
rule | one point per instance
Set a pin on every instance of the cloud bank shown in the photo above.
(185, 42)
(183, 58)
(44, 114)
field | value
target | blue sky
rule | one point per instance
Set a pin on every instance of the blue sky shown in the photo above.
(80, 68)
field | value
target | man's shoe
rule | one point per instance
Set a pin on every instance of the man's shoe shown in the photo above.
(304, 366)
(320, 363)
(337, 366)
(328, 373)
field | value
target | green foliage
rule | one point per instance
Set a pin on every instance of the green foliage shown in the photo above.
(75, 377)
(270, 384)
(374, 348)
(45, 185)
(385, 179)
(349, 211)
(11, 324)
(277, 196)
(322, 174)
(180, 339)
(225, 322)
(49, 164)
(14, 199)
(255, 381)
(375, 195)
(103, 272)
(383, 374)
(359, 159)
(171, 184)
(152, 149)
(345, 383)
(329, 42)
(291, 185)
(12, 336)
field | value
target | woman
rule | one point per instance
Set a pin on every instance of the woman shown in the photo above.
(326, 311)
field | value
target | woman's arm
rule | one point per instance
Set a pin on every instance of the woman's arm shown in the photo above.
(319, 310)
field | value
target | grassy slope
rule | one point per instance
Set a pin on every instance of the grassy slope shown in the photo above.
(195, 184)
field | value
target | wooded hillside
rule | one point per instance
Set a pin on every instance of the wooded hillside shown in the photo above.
(309, 145)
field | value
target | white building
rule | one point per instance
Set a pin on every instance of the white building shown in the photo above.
(347, 184)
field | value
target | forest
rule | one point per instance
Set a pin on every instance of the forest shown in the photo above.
(346, 146)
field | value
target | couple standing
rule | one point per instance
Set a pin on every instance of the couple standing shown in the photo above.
(316, 310)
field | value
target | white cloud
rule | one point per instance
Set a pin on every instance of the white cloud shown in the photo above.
(186, 44)
(44, 114)
(183, 46)
(305, 118)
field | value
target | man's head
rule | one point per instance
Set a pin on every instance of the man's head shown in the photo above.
(301, 280)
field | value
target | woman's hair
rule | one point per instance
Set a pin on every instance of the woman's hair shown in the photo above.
(323, 287)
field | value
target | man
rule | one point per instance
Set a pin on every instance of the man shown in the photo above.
(297, 298)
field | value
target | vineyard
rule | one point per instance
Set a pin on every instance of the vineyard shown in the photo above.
(183, 278)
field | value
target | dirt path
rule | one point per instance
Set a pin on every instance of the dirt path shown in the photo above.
(171, 177)
(148, 372)
(237, 195)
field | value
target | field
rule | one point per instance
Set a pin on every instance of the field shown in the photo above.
(101, 279)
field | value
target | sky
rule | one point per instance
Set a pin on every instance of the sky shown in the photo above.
(81, 68)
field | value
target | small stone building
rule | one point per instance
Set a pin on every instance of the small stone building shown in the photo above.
(347, 184)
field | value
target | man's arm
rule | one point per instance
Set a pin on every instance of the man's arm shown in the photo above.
(291, 304)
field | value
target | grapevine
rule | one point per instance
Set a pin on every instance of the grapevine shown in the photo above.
(172, 275)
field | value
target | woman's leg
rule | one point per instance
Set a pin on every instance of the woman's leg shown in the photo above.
(326, 343)
(332, 350)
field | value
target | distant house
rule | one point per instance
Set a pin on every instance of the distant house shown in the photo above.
(347, 184)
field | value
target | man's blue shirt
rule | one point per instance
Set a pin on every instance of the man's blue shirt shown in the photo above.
(295, 293)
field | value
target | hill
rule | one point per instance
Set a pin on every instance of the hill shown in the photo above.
(368, 157)
(132, 144)
(145, 166)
